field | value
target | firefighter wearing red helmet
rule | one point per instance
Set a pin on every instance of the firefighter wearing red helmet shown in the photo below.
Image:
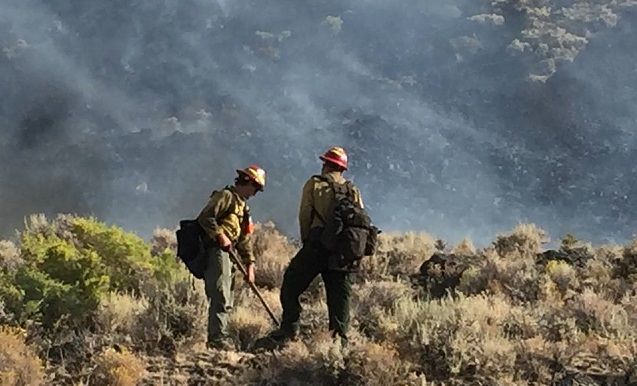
(312, 259)
(335, 156)
(227, 224)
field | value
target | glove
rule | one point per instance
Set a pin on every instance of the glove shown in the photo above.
(224, 241)
(250, 270)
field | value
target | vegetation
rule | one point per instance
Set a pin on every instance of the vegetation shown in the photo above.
(87, 303)
(84, 302)
(552, 31)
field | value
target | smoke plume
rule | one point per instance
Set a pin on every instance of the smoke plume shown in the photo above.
(461, 118)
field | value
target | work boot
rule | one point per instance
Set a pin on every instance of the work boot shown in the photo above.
(284, 335)
(276, 339)
(221, 344)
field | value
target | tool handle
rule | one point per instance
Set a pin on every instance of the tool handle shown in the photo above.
(237, 262)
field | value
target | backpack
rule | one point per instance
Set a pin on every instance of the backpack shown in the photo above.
(348, 233)
(192, 241)
(190, 246)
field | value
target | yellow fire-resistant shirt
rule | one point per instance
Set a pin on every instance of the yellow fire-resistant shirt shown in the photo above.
(317, 198)
(212, 221)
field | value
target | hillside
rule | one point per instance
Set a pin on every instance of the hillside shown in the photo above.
(86, 303)
(493, 142)
(484, 113)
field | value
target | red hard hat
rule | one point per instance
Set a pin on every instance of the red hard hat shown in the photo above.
(336, 155)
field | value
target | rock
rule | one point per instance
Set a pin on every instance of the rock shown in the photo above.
(574, 256)
(581, 379)
(441, 273)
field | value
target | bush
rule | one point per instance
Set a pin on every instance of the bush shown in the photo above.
(163, 241)
(60, 281)
(246, 325)
(5, 316)
(117, 368)
(19, 364)
(170, 315)
(301, 364)
(273, 251)
(525, 240)
(9, 256)
(512, 315)
(373, 364)
(69, 264)
(398, 255)
(326, 362)
(119, 313)
(126, 257)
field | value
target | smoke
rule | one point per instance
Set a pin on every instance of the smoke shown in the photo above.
(134, 111)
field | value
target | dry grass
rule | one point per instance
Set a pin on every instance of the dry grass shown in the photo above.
(373, 302)
(300, 363)
(398, 255)
(513, 320)
(248, 320)
(174, 316)
(117, 368)
(464, 247)
(9, 255)
(274, 252)
(119, 313)
(163, 239)
(19, 363)
(525, 240)
(374, 364)
(563, 275)
(324, 361)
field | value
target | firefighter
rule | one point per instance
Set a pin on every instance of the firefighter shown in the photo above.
(227, 223)
(312, 259)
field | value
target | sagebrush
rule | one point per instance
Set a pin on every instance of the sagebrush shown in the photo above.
(82, 301)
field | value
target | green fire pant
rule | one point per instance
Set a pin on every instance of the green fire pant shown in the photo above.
(308, 263)
(219, 285)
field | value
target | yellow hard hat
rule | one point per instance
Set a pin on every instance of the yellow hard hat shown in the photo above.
(255, 173)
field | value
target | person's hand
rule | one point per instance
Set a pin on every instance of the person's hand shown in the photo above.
(224, 241)
(250, 273)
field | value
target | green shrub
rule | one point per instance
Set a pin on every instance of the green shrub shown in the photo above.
(70, 263)
(126, 257)
(61, 281)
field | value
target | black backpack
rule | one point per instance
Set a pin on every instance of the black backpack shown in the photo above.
(192, 242)
(190, 246)
(348, 233)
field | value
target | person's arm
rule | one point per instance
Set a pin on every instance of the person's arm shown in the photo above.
(358, 198)
(244, 248)
(305, 209)
(218, 203)
(244, 245)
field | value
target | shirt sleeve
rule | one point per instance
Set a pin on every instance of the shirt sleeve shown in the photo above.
(305, 209)
(218, 203)
(359, 198)
(244, 248)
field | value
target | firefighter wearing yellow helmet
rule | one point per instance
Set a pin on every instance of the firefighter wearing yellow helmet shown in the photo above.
(227, 224)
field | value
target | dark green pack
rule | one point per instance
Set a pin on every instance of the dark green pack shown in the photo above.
(348, 231)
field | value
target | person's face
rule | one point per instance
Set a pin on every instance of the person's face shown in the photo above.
(248, 190)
